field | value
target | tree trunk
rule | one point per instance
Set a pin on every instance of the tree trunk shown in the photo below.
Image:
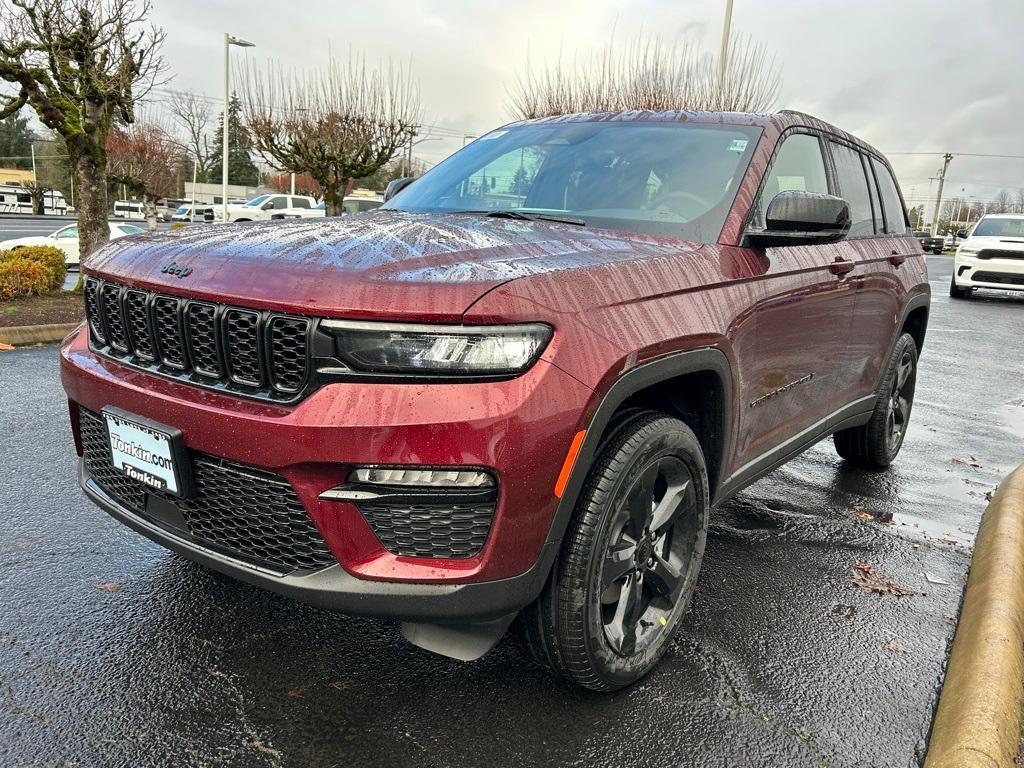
(333, 198)
(149, 209)
(90, 166)
(37, 204)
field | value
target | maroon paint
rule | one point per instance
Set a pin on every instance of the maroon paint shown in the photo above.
(615, 299)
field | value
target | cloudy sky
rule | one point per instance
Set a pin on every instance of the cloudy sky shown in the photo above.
(905, 75)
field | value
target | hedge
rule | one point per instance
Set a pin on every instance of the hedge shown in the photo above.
(31, 271)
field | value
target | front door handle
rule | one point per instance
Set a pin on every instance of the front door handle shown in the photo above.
(841, 266)
(897, 258)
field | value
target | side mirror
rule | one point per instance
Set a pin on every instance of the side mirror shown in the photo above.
(797, 218)
(962, 234)
(267, 205)
(396, 186)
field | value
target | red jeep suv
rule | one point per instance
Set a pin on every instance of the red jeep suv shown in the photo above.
(518, 389)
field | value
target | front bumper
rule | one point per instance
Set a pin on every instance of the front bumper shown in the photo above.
(1001, 274)
(335, 589)
(519, 429)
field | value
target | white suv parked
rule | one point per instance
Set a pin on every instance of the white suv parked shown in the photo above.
(266, 207)
(992, 257)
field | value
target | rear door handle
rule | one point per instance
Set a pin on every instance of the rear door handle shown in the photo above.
(841, 266)
(897, 258)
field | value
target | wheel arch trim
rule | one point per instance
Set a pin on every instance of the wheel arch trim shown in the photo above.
(703, 360)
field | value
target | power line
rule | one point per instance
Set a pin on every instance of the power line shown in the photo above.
(961, 154)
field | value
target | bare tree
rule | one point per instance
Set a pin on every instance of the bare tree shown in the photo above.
(145, 159)
(337, 124)
(192, 114)
(1020, 201)
(80, 64)
(650, 74)
(1003, 202)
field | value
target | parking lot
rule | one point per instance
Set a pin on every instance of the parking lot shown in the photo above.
(115, 652)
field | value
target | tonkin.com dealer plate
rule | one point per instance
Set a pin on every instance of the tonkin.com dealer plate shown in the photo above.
(148, 452)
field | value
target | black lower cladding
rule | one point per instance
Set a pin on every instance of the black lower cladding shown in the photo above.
(446, 529)
(244, 512)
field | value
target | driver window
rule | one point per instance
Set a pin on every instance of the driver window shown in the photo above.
(798, 166)
(68, 232)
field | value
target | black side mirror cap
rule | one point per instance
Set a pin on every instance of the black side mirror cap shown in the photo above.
(396, 186)
(962, 234)
(796, 217)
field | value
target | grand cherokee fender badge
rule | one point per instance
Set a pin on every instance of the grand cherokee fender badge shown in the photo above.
(785, 388)
(178, 270)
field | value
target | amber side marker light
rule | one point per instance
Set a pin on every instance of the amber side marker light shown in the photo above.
(570, 460)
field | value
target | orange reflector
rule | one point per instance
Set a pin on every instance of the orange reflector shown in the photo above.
(570, 460)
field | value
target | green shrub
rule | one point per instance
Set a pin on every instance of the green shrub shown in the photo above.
(178, 225)
(31, 271)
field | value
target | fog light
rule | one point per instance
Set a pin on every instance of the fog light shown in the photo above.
(432, 478)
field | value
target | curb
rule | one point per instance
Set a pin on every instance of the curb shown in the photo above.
(36, 334)
(977, 724)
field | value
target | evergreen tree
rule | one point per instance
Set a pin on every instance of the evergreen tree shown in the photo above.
(241, 169)
(15, 142)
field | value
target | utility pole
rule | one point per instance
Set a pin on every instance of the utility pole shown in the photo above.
(35, 179)
(408, 156)
(723, 55)
(938, 199)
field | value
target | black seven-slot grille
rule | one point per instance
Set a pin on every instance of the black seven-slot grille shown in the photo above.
(246, 513)
(243, 351)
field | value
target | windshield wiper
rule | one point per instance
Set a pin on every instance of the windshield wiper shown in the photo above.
(517, 213)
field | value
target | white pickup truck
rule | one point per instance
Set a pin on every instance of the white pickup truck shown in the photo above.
(266, 207)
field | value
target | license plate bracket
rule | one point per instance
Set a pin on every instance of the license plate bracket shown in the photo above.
(149, 452)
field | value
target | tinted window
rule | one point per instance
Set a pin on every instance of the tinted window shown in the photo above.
(668, 178)
(895, 215)
(67, 232)
(280, 203)
(798, 165)
(853, 187)
(300, 202)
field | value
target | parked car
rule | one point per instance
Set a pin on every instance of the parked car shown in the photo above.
(356, 204)
(66, 239)
(992, 257)
(516, 399)
(184, 213)
(267, 207)
(929, 243)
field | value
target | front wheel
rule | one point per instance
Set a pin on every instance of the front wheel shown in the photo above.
(630, 558)
(956, 292)
(875, 444)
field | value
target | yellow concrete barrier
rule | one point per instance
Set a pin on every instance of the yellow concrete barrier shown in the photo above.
(978, 721)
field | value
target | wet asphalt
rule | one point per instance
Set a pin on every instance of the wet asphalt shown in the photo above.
(115, 652)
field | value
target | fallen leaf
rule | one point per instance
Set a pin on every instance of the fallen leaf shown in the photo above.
(866, 579)
(878, 517)
(4, 347)
(934, 579)
(894, 647)
(949, 617)
(295, 693)
(109, 586)
(341, 685)
(971, 462)
(862, 513)
(947, 539)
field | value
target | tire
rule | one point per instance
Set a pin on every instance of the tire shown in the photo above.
(956, 292)
(629, 560)
(875, 444)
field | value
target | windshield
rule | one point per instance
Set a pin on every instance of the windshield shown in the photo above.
(257, 200)
(130, 229)
(181, 209)
(989, 227)
(664, 178)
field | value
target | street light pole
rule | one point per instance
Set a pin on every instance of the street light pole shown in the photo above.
(229, 40)
(723, 55)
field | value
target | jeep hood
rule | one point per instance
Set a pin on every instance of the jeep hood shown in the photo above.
(383, 264)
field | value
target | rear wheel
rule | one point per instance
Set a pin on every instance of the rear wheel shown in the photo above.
(630, 558)
(956, 291)
(876, 443)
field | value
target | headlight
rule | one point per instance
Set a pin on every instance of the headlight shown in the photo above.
(438, 350)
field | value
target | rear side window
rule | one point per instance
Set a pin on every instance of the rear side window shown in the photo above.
(895, 215)
(853, 187)
(300, 202)
(798, 166)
